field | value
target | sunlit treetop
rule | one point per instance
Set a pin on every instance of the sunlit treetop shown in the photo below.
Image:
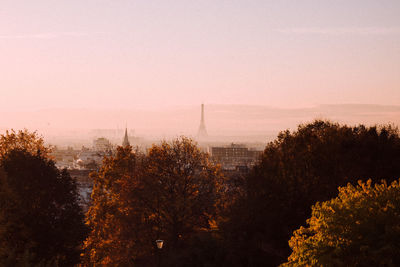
(358, 228)
(23, 140)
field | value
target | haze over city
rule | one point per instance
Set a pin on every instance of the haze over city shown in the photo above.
(232, 123)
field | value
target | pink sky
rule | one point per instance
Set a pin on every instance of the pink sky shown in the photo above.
(147, 54)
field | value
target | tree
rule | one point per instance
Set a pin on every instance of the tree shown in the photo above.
(185, 186)
(23, 140)
(40, 220)
(360, 227)
(296, 170)
(116, 220)
(171, 194)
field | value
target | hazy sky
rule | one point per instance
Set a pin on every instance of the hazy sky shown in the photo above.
(145, 54)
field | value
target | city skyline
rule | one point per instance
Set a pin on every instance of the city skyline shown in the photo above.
(232, 123)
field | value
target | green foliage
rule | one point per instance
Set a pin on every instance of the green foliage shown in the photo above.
(361, 227)
(40, 220)
(298, 169)
(171, 194)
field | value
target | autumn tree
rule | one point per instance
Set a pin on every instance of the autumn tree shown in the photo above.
(171, 193)
(360, 227)
(185, 187)
(116, 220)
(31, 142)
(296, 170)
(40, 220)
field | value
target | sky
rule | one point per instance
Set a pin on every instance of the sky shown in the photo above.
(125, 54)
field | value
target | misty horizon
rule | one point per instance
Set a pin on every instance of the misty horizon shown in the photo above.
(246, 123)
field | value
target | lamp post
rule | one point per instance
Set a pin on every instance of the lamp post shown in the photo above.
(159, 244)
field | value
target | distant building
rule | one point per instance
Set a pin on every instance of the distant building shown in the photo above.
(64, 158)
(235, 156)
(102, 144)
(88, 159)
(202, 132)
(85, 186)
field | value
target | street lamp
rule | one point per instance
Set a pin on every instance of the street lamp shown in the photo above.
(159, 243)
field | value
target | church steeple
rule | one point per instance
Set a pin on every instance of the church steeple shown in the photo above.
(125, 143)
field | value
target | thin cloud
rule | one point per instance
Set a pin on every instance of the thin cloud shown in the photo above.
(341, 31)
(50, 35)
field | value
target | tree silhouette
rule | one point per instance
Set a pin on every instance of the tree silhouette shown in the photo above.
(40, 220)
(298, 169)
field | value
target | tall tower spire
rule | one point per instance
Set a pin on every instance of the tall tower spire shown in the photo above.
(202, 133)
(125, 143)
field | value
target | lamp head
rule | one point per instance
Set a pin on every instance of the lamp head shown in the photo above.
(159, 243)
